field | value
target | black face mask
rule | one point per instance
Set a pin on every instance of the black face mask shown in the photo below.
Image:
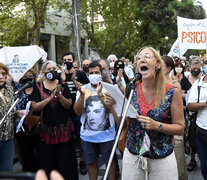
(51, 75)
(24, 81)
(119, 66)
(69, 65)
(195, 73)
(85, 69)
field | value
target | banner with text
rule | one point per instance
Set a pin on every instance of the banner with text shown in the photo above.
(192, 33)
(21, 59)
(176, 51)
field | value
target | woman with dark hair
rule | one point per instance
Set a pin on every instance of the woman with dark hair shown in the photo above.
(26, 142)
(178, 72)
(168, 66)
(119, 69)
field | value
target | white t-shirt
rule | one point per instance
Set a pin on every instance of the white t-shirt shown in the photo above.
(201, 120)
(129, 72)
(97, 125)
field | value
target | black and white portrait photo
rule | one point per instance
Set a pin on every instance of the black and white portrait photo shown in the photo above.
(97, 117)
(16, 58)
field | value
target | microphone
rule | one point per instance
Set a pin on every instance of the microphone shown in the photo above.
(137, 77)
(27, 85)
(132, 83)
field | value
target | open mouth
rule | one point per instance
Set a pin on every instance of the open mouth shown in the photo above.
(144, 68)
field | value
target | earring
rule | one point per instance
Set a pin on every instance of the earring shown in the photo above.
(157, 69)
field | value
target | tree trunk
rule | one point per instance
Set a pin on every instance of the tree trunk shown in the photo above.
(76, 38)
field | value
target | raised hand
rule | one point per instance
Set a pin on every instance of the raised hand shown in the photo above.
(99, 88)
(62, 74)
(108, 101)
(78, 86)
(119, 75)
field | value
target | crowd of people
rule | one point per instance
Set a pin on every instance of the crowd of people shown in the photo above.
(78, 113)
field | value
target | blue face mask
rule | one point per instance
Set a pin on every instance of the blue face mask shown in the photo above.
(205, 69)
(94, 78)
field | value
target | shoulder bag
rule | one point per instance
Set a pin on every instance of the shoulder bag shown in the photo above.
(32, 122)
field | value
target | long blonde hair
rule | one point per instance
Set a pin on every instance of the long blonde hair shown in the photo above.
(160, 81)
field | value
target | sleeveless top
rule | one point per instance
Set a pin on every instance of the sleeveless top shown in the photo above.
(161, 144)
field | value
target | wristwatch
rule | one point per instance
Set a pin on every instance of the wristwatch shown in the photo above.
(160, 126)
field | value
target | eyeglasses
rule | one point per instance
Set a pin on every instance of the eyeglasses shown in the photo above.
(204, 62)
(147, 57)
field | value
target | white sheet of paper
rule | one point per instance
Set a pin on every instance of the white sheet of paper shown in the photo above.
(23, 117)
(115, 92)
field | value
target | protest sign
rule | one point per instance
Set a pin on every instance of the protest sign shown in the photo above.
(21, 59)
(192, 33)
(176, 51)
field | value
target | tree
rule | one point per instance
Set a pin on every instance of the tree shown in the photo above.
(130, 25)
(21, 19)
(76, 39)
(118, 21)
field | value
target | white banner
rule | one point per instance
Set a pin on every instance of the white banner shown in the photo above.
(192, 33)
(21, 59)
(176, 51)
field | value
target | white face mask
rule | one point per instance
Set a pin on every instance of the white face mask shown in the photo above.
(112, 64)
(94, 78)
(178, 70)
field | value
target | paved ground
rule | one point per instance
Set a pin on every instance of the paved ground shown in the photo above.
(194, 175)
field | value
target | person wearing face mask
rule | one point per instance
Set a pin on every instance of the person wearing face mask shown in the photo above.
(178, 72)
(106, 77)
(106, 73)
(205, 64)
(26, 143)
(195, 73)
(71, 76)
(85, 65)
(111, 59)
(54, 148)
(119, 69)
(97, 132)
(168, 65)
(186, 83)
(128, 71)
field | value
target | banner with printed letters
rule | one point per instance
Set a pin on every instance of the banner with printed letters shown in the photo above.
(176, 51)
(192, 33)
(20, 59)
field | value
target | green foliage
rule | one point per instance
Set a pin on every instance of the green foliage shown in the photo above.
(130, 25)
(20, 20)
